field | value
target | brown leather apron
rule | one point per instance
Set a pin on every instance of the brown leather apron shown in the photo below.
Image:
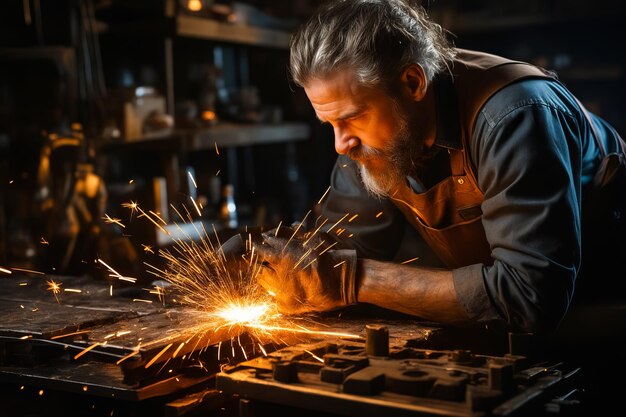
(448, 216)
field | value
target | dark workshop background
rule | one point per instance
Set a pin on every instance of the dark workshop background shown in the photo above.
(169, 102)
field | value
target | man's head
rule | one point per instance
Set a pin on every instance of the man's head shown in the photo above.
(364, 64)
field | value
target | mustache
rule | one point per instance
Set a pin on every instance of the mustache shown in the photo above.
(364, 153)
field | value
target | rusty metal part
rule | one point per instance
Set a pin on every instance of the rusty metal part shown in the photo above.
(404, 382)
(376, 340)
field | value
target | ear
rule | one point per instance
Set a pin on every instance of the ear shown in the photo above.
(414, 81)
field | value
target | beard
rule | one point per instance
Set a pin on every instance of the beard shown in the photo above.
(384, 169)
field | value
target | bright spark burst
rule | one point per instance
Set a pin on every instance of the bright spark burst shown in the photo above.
(224, 301)
(55, 287)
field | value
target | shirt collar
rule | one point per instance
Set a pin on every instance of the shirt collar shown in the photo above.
(448, 124)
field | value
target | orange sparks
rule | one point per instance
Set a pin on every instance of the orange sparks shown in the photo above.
(217, 151)
(130, 355)
(158, 355)
(410, 260)
(6, 271)
(81, 353)
(178, 349)
(339, 264)
(117, 274)
(338, 221)
(28, 271)
(352, 218)
(380, 213)
(314, 356)
(61, 336)
(147, 248)
(55, 287)
(109, 220)
(43, 241)
(324, 195)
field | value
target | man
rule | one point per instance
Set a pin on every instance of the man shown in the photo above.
(490, 160)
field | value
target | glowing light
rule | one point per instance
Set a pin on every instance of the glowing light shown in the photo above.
(194, 5)
(208, 115)
(243, 314)
(55, 287)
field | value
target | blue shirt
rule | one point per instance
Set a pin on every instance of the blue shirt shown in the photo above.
(534, 155)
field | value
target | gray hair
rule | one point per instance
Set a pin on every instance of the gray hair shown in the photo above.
(377, 39)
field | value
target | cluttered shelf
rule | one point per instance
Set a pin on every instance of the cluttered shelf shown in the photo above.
(203, 28)
(222, 135)
(231, 134)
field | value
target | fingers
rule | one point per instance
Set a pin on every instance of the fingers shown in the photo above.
(233, 247)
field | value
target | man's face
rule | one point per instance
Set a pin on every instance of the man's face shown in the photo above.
(369, 126)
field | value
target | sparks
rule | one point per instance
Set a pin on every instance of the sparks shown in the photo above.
(409, 260)
(28, 271)
(55, 287)
(222, 303)
(324, 195)
(192, 179)
(109, 220)
(132, 206)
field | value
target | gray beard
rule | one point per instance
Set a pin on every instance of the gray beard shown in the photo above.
(399, 161)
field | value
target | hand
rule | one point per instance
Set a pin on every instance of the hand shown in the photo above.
(306, 274)
(234, 255)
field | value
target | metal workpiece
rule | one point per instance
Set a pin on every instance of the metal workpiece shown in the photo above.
(376, 340)
(344, 378)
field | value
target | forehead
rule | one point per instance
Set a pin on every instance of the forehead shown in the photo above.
(338, 91)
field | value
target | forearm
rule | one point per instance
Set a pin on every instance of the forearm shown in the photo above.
(427, 293)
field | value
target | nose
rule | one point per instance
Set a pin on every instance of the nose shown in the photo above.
(344, 140)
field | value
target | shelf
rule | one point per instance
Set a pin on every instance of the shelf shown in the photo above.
(203, 28)
(226, 135)
(223, 135)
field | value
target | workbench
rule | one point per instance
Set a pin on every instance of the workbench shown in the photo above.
(98, 348)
